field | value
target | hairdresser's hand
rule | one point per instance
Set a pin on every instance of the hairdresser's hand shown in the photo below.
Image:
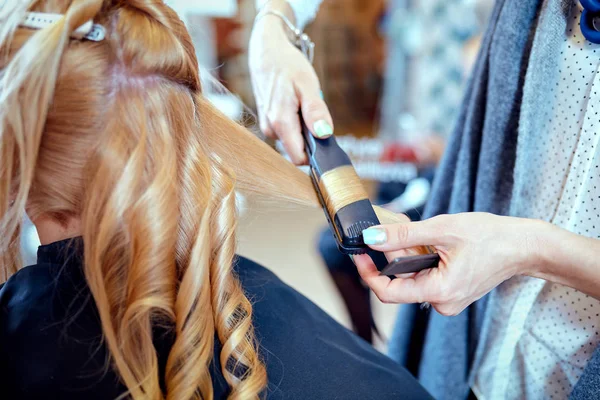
(284, 82)
(478, 251)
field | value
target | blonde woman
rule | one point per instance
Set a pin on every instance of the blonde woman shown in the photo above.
(129, 176)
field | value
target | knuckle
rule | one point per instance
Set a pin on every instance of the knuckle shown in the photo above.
(445, 224)
(265, 127)
(383, 297)
(314, 106)
(277, 125)
(269, 133)
(279, 120)
(444, 218)
(303, 75)
(403, 218)
(446, 310)
(443, 221)
(402, 233)
(445, 294)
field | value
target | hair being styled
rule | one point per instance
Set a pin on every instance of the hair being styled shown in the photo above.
(118, 135)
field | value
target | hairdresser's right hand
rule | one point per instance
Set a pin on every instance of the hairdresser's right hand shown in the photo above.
(284, 82)
(478, 251)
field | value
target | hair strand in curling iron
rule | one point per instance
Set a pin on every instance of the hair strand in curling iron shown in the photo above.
(344, 198)
(340, 191)
(341, 187)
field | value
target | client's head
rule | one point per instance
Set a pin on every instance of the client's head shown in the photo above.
(112, 140)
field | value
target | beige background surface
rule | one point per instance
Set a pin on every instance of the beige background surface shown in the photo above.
(285, 241)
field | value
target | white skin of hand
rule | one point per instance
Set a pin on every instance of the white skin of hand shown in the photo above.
(284, 82)
(478, 251)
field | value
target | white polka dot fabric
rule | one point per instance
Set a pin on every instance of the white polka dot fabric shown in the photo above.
(540, 335)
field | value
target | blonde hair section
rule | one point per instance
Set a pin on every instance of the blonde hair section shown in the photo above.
(118, 134)
(341, 186)
(21, 134)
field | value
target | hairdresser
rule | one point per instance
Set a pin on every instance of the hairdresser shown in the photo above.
(516, 294)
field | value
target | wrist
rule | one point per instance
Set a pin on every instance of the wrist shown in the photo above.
(271, 28)
(542, 248)
(281, 6)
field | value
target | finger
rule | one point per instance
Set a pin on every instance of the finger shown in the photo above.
(401, 290)
(390, 217)
(314, 110)
(450, 309)
(392, 255)
(287, 129)
(393, 237)
(265, 127)
(284, 120)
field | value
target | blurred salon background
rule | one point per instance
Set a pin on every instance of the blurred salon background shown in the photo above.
(392, 74)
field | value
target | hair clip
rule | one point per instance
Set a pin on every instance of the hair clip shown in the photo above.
(87, 31)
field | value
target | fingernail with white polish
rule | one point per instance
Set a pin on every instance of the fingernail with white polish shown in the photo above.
(374, 236)
(352, 258)
(322, 129)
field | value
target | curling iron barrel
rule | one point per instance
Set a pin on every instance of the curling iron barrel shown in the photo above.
(341, 193)
(344, 200)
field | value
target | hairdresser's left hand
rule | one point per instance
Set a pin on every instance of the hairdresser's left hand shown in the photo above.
(284, 81)
(478, 251)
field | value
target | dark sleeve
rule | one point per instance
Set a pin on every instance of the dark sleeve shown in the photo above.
(6, 373)
(309, 355)
(28, 351)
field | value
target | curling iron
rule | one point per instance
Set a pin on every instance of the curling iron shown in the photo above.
(339, 189)
(346, 204)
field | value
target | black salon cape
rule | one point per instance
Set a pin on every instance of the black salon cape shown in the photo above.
(50, 340)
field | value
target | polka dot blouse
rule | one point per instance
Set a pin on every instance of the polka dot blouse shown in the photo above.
(540, 335)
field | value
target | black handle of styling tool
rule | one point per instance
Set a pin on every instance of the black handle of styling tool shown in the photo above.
(347, 224)
(404, 265)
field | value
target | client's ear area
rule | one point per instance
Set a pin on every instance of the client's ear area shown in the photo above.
(54, 227)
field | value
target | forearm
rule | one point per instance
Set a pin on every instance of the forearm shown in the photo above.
(567, 258)
(269, 28)
(300, 12)
(281, 6)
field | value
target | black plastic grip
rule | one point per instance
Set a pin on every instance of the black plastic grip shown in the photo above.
(404, 265)
(348, 223)
(323, 154)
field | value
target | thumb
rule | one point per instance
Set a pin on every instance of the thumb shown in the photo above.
(315, 112)
(401, 236)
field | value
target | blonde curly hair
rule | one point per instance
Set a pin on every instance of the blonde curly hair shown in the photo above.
(118, 135)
